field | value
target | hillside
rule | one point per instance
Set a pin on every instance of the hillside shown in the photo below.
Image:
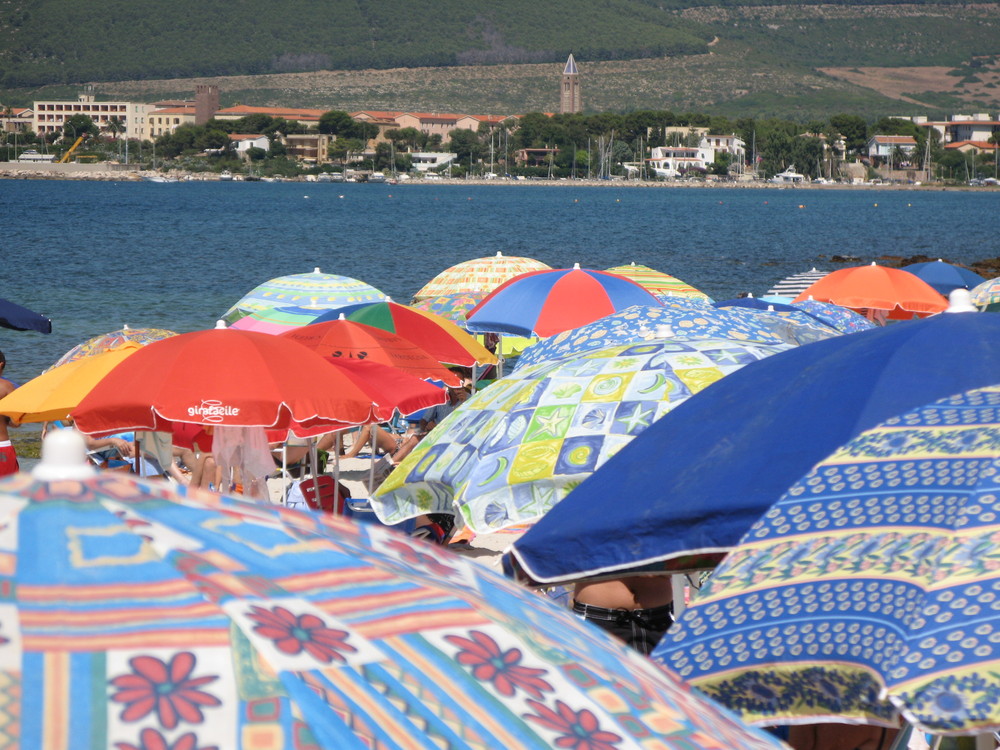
(786, 59)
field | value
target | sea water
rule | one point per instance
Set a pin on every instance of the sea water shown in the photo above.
(96, 255)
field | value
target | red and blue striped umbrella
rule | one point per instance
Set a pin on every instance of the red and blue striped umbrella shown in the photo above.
(544, 303)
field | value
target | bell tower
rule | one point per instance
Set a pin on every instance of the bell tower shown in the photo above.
(569, 95)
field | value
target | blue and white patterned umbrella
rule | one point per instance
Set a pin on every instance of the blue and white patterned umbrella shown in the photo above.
(515, 449)
(644, 323)
(869, 588)
(844, 320)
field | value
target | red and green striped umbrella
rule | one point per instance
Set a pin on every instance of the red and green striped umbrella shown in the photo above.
(279, 319)
(657, 282)
(440, 338)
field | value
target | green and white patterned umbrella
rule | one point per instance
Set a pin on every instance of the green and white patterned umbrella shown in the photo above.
(516, 448)
(318, 290)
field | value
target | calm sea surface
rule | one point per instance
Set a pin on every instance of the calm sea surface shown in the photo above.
(96, 255)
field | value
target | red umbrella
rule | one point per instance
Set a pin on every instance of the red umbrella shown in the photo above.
(898, 294)
(345, 339)
(224, 378)
(389, 387)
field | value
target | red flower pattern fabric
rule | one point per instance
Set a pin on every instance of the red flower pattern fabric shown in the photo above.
(150, 739)
(168, 689)
(501, 668)
(580, 730)
(292, 634)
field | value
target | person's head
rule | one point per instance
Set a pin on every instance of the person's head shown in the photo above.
(457, 394)
(3, 362)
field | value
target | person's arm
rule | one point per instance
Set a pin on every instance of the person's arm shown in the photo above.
(124, 447)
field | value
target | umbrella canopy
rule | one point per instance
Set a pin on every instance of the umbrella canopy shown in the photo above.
(844, 320)
(348, 339)
(453, 306)
(325, 290)
(657, 282)
(224, 378)
(440, 338)
(874, 575)
(792, 286)
(172, 618)
(514, 450)
(57, 391)
(543, 303)
(792, 324)
(723, 458)
(986, 296)
(389, 388)
(644, 323)
(478, 275)
(894, 293)
(113, 340)
(277, 320)
(944, 276)
(19, 318)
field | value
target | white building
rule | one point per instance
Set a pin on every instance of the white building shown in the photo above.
(670, 161)
(243, 143)
(51, 116)
(429, 161)
(882, 146)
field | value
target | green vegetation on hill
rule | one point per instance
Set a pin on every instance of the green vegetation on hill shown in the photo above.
(59, 41)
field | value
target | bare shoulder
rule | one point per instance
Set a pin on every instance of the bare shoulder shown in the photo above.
(6, 387)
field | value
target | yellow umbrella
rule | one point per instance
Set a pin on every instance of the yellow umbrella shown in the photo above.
(56, 392)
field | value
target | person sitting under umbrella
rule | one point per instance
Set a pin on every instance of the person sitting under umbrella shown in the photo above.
(635, 609)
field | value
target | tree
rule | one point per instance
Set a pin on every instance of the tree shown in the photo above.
(336, 122)
(854, 130)
(466, 144)
(79, 125)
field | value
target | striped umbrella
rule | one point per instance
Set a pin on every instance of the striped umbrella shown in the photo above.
(113, 340)
(657, 282)
(986, 296)
(792, 286)
(168, 617)
(478, 275)
(316, 289)
(453, 307)
(278, 319)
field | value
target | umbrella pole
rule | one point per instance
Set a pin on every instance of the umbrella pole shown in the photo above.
(336, 468)
(137, 453)
(371, 467)
(314, 465)
(677, 586)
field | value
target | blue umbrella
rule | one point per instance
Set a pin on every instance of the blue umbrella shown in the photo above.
(873, 576)
(20, 318)
(794, 325)
(641, 323)
(686, 490)
(844, 320)
(945, 276)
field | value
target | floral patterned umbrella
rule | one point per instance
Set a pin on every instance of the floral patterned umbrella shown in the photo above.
(113, 340)
(515, 449)
(325, 290)
(844, 320)
(657, 282)
(478, 275)
(868, 588)
(638, 324)
(164, 617)
(452, 306)
(986, 296)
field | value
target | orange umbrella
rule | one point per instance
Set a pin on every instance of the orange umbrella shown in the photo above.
(223, 378)
(351, 340)
(892, 292)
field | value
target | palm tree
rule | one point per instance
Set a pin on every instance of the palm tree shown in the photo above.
(115, 126)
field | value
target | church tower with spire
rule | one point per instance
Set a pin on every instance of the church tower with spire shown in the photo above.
(569, 95)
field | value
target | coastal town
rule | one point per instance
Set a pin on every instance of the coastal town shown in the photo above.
(90, 136)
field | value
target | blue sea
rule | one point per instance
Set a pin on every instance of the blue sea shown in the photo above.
(96, 255)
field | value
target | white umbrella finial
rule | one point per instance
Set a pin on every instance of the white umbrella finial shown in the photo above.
(499, 254)
(387, 298)
(316, 270)
(960, 300)
(125, 326)
(64, 456)
(576, 266)
(220, 325)
(341, 317)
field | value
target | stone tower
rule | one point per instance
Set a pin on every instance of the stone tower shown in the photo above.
(206, 102)
(569, 95)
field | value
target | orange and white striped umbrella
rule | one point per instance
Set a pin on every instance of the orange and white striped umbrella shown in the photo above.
(657, 282)
(479, 275)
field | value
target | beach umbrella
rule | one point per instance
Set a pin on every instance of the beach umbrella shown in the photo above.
(703, 474)
(877, 290)
(324, 290)
(349, 339)
(19, 318)
(478, 275)
(944, 276)
(657, 282)
(543, 303)
(167, 617)
(513, 450)
(277, 320)
(223, 378)
(452, 306)
(389, 388)
(868, 588)
(986, 296)
(638, 324)
(844, 320)
(113, 340)
(793, 325)
(440, 338)
(792, 286)
(57, 391)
